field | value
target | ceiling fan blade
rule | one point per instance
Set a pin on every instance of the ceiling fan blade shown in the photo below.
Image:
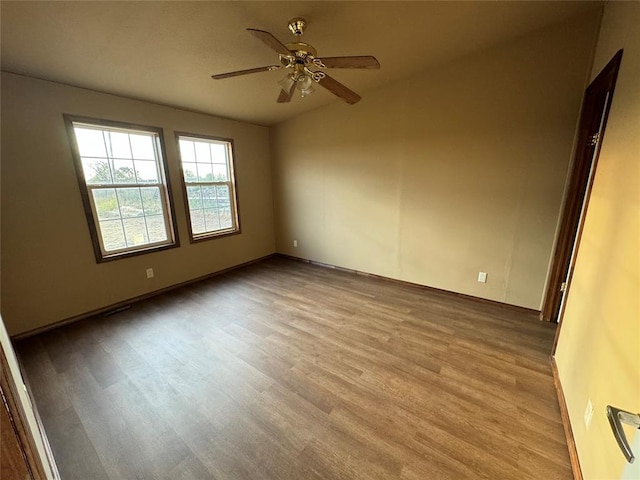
(339, 90)
(285, 97)
(270, 40)
(246, 72)
(363, 61)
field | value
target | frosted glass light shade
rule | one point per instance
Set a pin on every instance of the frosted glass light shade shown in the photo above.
(305, 85)
(286, 83)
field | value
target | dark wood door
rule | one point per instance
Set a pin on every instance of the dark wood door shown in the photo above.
(593, 120)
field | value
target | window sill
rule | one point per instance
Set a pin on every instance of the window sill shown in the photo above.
(213, 235)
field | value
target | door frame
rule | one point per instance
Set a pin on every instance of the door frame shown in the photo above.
(10, 383)
(17, 418)
(593, 121)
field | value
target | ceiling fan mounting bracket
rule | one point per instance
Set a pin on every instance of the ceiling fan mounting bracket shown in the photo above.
(297, 25)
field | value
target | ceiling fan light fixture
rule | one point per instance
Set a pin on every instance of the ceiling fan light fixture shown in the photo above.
(301, 80)
(287, 82)
(304, 91)
(305, 82)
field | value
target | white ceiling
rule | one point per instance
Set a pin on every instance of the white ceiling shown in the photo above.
(165, 52)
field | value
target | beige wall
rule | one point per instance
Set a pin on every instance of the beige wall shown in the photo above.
(49, 272)
(432, 179)
(598, 352)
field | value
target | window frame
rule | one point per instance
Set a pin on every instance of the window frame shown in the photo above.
(164, 183)
(232, 184)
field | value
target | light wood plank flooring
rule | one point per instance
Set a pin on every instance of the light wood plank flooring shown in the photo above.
(284, 370)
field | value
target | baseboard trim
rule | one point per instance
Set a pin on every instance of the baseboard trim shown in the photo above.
(126, 303)
(411, 284)
(564, 413)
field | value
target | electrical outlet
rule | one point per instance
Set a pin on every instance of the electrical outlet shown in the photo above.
(482, 277)
(149, 272)
(295, 244)
(588, 414)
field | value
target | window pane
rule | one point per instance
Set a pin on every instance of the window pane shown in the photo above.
(190, 172)
(96, 171)
(205, 172)
(118, 145)
(225, 218)
(222, 193)
(142, 147)
(209, 197)
(151, 200)
(197, 221)
(106, 203)
(203, 154)
(135, 231)
(130, 202)
(156, 228)
(112, 235)
(187, 153)
(90, 142)
(146, 171)
(219, 153)
(195, 197)
(211, 220)
(220, 173)
(123, 171)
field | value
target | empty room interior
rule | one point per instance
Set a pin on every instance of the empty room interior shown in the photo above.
(320, 240)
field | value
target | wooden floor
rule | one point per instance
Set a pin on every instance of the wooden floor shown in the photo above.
(284, 370)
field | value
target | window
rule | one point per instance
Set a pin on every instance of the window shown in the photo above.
(121, 172)
(209, 185)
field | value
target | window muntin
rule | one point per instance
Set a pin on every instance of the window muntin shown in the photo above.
(209, 185)
(122, 177)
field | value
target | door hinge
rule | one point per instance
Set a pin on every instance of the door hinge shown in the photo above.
(563, 287)
(593, 139)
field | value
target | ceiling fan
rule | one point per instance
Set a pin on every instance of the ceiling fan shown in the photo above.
(304, 67)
